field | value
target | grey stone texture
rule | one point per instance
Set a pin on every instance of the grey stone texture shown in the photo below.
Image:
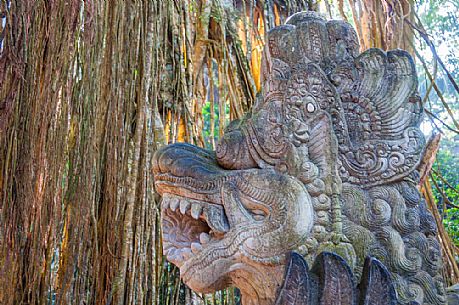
(321, 172)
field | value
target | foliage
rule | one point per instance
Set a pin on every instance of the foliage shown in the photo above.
(440, 19)
(445, 177)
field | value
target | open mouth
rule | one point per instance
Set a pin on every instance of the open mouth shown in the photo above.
(189, 226)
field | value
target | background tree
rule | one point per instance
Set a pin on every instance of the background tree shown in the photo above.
(90, 89)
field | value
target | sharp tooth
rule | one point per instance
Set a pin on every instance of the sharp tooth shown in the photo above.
(174, 203)
(196, 210)
(216, 218)
(186, 253)
(196, 247)
(204, 238)
(165, 202)
(184, 205)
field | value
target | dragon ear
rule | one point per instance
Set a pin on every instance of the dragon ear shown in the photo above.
(387, 86)
(382, 111)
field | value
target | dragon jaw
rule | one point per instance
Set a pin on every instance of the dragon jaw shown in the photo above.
(221, 227)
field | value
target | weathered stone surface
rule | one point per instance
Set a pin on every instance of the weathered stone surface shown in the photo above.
(233, 227)
(325, 162)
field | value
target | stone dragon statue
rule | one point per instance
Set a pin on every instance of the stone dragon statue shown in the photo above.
(321, 172)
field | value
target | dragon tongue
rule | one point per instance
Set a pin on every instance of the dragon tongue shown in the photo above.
(216, 218)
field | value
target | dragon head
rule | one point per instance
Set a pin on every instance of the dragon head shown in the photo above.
(325, 162)
(224, 227)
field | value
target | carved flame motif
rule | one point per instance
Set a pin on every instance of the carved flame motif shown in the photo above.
(325, 162)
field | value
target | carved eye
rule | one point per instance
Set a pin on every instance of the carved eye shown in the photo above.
(255, 209)
(258, 214)
(310, 107)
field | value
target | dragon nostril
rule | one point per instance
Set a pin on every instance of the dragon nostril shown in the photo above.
(166, 162)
